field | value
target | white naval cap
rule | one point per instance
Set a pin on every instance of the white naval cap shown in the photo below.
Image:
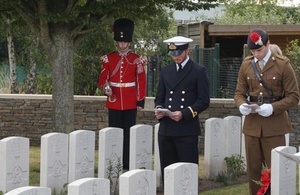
(177, 44)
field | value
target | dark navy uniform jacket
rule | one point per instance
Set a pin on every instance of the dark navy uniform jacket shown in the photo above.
(186, 91)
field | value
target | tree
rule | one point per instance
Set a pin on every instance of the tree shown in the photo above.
(11, 52)
(258, 12)
(293, 53)
(30, 81)
(22, 50)
(61, 25)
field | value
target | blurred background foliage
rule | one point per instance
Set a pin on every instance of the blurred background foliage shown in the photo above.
(148, 42)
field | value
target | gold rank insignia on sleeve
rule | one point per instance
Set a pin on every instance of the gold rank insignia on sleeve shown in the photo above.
(194, 113)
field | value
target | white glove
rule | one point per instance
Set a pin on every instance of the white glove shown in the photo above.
(265, 110)
(244, 110)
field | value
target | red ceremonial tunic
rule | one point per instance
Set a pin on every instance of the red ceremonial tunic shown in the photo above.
(127, 78)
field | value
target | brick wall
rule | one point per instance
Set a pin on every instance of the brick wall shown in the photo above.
(31, 116)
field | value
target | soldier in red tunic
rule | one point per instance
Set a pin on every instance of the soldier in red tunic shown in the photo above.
(123, 80)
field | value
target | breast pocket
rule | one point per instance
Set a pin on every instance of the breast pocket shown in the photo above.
(252, 81)
(274, 82)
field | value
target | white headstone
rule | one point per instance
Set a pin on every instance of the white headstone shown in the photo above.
(81, 154)
(14, 163)
(54, 161)
(181, 178)
(138, 181)
(141, 154)
(233, 131)
(214, 147)
(110, 155)
(89, 186)
(30, 190)
(283, 171)
(287, 139)
(157, 168)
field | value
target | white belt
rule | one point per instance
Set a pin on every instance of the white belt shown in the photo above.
(122, 84)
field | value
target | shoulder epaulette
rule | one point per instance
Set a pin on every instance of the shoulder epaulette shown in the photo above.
(279, 57)
(249, 58)
(139, 60)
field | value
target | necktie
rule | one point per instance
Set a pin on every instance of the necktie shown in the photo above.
(261, 64)
(179, 67)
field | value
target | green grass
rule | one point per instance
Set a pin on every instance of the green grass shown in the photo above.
(34, 176)
(239, 189)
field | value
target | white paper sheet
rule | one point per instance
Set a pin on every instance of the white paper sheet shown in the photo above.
(253, 107)
(167, 111)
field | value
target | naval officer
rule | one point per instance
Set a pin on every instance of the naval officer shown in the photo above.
(183, 89)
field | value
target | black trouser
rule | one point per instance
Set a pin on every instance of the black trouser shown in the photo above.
(173, 149)
(123, 119)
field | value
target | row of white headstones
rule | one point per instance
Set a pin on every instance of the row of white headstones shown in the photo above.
(70, 159)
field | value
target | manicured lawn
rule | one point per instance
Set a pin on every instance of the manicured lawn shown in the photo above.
(240, 189)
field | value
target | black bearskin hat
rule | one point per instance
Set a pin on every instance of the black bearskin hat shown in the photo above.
(123, 30)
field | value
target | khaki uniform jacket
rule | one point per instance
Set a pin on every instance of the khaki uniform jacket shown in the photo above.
(279, 76)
